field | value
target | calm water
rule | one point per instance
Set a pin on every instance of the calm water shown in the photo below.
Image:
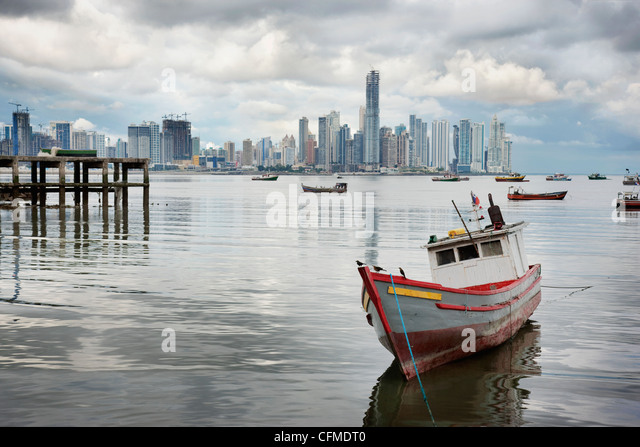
(215, 308)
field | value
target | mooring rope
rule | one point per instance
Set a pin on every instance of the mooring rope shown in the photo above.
(424, 395)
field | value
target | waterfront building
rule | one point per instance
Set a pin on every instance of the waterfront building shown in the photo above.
(180, 133)
(139, 141)
(403, 148)
(372, 119)
(61, 131)
(464, 146)
(498, 152)
(389, 149)
(247, 152)
(154, 143)
(477, 147)
(230, 150)
(440, 138)
(79, 140)
(21, 134)
(303, 136)
(312, 148)
(323, 140)
(121, 149)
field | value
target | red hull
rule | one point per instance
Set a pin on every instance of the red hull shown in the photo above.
(434, 326)
(546, 196)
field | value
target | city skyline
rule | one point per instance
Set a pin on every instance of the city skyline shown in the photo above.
(563, 76)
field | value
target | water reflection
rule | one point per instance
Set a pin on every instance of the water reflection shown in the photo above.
(483, 390)
(39, 242)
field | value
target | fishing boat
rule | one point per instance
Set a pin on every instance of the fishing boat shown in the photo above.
(628, 201)
(520, 194)
(631, 179)
(448, 177)
(558, 177)
(339, 188)
(512, 177)
(597, 176)
(482, 291)
(57, 152)
(265, 177)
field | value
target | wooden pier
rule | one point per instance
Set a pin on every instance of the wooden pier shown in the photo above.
(38, 187)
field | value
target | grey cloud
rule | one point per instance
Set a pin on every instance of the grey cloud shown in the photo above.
(44, 8)
(172, 13)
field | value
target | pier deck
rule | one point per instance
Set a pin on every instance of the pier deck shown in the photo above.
(38, 187)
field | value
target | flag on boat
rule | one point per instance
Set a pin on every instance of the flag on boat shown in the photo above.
(475, 199)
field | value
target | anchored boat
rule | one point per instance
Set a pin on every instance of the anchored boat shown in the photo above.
(482, 291)
(631, 179)
(339, 188)
(266, 177)
(519, 194)
(597, 176)
(558, 177)
(512, 177)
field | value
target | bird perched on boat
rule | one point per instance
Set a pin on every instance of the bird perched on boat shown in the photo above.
(360, 264)
(402, 273)
(378, 269)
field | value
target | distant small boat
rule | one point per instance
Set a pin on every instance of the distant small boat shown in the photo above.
(628, 201)
(519, 194)
(448, 177)
(558, 177)
(267, 177)
(339, 188)
(631, 179)
(597, 176)
(512, 177)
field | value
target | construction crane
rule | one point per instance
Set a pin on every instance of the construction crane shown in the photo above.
(17, 106)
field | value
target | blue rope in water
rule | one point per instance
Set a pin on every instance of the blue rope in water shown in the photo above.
(424, 395)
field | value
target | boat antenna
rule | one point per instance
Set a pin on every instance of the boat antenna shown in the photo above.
(465, 227)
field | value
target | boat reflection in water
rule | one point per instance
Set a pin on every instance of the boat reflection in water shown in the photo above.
(482, 390)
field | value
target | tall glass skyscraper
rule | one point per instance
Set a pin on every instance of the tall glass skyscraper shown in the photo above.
(303, 136)
(372, 119)
(464, 144)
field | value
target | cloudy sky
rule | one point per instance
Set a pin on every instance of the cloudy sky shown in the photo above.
(564, 75)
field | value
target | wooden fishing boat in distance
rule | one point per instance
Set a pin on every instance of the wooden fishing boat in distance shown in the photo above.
(266, 177)
(448, 177)
(631, 179)
(597, 176)
(557, 177)
(628, 201)
(339, 188)
(519, 194)
(482, 291)
(512, 177)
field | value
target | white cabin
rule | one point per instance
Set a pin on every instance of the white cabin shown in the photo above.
(489, 256)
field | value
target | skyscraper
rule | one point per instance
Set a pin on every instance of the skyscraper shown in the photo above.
(494, 150)
(61, 131)
(440, 137)
(464, 146)
(477, 147)
(139, 141)
(372, 120)
(21, 133)
(247, 152)
(303, 136)
(180, 132)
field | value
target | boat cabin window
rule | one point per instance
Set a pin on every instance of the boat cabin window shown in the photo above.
(445, 257)
(467, 252)
(491, 248)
